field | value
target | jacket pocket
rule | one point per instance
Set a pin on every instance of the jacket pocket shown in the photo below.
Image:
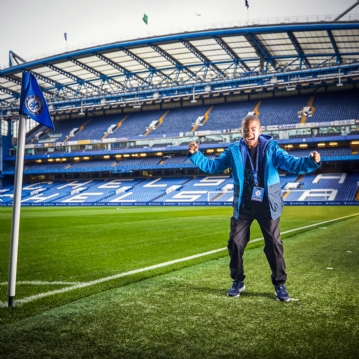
(275, 199)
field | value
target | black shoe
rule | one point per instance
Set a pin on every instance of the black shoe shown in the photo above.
(236, 289)
(281, 293)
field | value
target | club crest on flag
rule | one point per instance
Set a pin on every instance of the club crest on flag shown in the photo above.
(34, 105)
(32, 101)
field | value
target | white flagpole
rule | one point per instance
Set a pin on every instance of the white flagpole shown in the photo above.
(19, 168)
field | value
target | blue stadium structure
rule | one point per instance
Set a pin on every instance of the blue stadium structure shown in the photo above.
(125, 112)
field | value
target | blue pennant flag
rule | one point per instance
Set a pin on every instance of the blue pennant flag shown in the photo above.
(32, 101)
(246, 1)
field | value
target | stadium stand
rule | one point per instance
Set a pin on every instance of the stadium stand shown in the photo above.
(136, 124)
(336, 106)
(200, 189)
(63, 131)
(96, 128)
(327, 187)
(278, 111)
(227, 116)
(324, 152)
(36, 134)
(180, 120)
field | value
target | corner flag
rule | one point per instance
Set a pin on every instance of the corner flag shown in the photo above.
(145, 19)
(32, 101)
(32, 104)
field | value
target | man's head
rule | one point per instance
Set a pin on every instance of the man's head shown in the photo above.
(251, 129)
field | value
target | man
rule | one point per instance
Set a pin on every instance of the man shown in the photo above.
(255, 160)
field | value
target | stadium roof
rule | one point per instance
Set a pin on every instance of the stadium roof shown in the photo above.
(255, 58)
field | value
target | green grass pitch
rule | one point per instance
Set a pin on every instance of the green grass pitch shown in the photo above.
(73, 302)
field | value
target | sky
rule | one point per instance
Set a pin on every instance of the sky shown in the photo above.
(35, 28)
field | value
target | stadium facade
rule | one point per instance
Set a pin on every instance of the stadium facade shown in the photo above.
(125, 112)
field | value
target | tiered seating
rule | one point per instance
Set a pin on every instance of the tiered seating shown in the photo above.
(64, 128)
(273, 111)
(92, 166)
(151, 161)
(328, 134)
(318, 188)
(279, 111)
(324, 152)
(211, 142)
(54, 192)
(136, 124)
(46, 167)
(174, 160)
(336, 106)
(97, 127)
(180, 120)
(165, 144)
(88, 192)
(32, 136)
(301, 136)
(227, 116)
(197, 190)
(7, 194)
(288, 178)
(147, 190)
(179, 161)
(311, 187)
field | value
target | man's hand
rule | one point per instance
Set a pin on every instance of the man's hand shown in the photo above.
(193, 147)
(315, 156)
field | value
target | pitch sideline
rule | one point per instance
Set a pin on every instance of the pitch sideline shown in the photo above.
(145, 269)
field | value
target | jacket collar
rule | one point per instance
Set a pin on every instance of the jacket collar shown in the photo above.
(264, 141)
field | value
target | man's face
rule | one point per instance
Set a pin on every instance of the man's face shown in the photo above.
(250, 132)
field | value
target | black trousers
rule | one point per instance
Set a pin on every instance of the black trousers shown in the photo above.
(273, 246)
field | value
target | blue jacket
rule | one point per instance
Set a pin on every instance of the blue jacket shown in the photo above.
(235, 157)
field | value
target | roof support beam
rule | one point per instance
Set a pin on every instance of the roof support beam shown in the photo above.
(234, 56)
(346, 11)
(179, 66)
(101, 76)
(44, 79)
(146, 65)
(195, 74)
(13, 79)
(15, 59)
(260, 50)
(299, 49)
(9, 92)
(122, 70)
(76, 79)
(335, 47)
(57, 85)
(203, 58)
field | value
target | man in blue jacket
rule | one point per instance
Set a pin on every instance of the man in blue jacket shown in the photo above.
(254, 161)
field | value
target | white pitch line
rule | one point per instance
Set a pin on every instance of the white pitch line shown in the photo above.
(156, 266)
(37, 282)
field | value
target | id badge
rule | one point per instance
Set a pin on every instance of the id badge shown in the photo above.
(257, 194)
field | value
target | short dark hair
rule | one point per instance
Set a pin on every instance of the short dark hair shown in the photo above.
(250, 118)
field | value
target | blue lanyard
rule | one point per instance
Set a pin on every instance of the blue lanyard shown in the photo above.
(254, 170)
